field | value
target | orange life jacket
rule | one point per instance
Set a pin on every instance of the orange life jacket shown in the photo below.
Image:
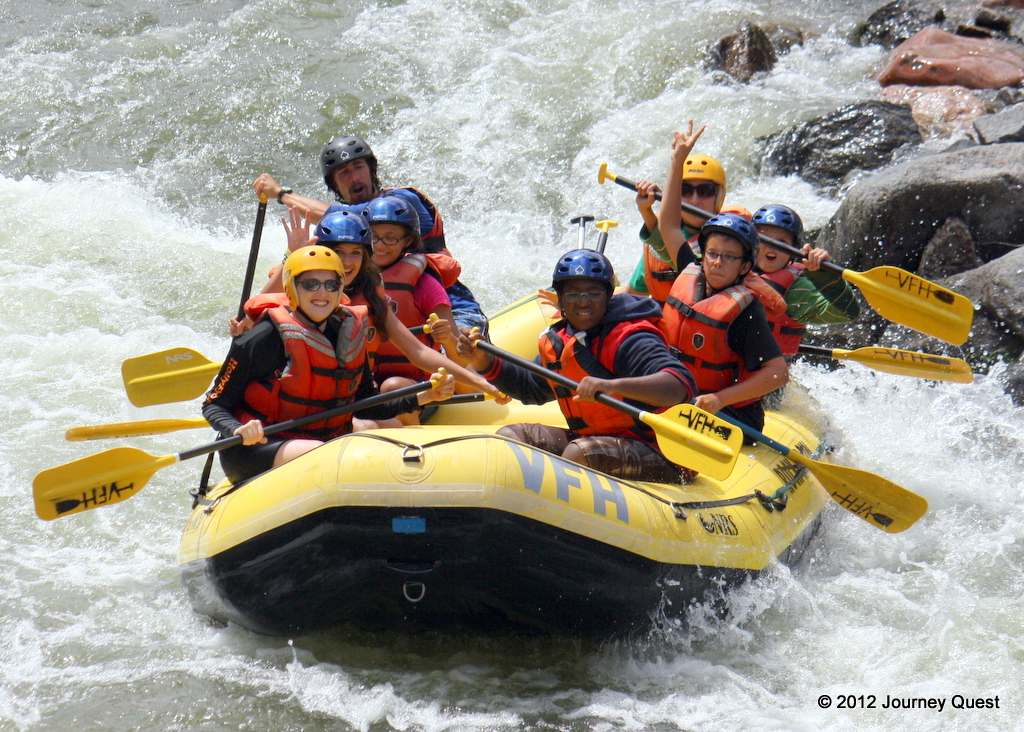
(697, 326)
(787, 331)
(564, 354)
(659, 276)
(319, 376)
(399, 282)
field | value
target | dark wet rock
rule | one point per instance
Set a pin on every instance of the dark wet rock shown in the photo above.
(890, 216)
(894, 23)
(997, 290)
(951, 251)
(744, 53)
(1004, 126)
(933, 57)
(993, 21)
(824, 151)
(936, 215)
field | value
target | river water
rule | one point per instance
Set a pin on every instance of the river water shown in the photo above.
(129, 133)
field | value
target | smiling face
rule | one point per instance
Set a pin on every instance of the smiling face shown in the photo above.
(319, 304)
(354, 181)
(583, 302)
(698, 192)
(719, 273)
(769, 259)
(389, 241)
(351, 256)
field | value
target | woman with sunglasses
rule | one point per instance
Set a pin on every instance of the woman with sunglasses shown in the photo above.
(703, 186)
(305, 357)
(718, 323)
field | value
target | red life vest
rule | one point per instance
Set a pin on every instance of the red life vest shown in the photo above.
(319, 376)
(399, 282)
(698, 327)
(659, 276)
(787, 331)
(564, 354)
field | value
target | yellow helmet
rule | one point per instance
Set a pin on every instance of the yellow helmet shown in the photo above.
(706, 168)
(308, 259)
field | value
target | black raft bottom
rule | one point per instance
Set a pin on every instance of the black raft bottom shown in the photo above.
(442, 568)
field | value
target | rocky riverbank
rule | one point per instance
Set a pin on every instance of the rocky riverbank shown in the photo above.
(952, 213)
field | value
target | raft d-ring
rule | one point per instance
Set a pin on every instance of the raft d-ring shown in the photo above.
(412, 586)
(412, 454)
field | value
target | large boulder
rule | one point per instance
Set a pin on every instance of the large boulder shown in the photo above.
(939, 111)
(894, 23)
(891, 216)
(823, 151)
(744, 53)
(933, 57)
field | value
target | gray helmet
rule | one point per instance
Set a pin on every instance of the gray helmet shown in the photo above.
(343, 150)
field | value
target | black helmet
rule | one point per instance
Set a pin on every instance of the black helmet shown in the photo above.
(343, 150)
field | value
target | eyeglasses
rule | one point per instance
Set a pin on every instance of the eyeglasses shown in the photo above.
(720, 256)
(389, 241)
(312, 285)
(588, 296)
(704, 190)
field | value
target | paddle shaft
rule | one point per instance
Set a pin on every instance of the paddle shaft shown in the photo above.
(701, 213)
(254, 250)
(382, 398)
(557, 378)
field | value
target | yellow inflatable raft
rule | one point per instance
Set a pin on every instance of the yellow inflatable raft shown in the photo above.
(448, 525)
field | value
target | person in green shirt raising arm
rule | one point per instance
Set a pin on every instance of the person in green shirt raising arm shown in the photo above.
(813, 295)
(704, 187)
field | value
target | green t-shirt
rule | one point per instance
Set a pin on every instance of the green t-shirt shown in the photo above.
(821, 297)
(653, 240)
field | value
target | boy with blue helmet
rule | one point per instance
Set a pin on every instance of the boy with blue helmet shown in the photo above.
(813, 295)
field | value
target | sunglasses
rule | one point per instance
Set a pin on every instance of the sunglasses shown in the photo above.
(312, 285)
(704, 190)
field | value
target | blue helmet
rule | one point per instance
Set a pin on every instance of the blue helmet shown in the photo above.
(734, 225)
(775, 214)
(342, 226)
(392, 210)
(584, 263)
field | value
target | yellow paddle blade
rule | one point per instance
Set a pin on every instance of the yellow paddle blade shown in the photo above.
(98, 480)
(880, 502)
(910, 363)
(132, 429)
(176, 375)
(909, 300)
(693, 438)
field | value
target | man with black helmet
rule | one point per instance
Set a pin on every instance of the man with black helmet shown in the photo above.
(349, 169)
(608, 344)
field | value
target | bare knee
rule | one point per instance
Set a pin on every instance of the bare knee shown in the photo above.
(292, 449)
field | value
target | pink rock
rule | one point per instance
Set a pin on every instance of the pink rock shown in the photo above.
(1003, 3)
(939, 111)
(933, 57)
